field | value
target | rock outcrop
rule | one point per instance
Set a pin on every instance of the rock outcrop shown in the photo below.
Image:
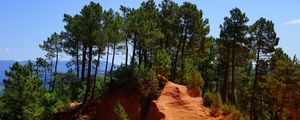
(176, 102)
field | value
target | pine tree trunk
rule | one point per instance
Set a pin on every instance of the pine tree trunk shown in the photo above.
(51, 74)
(183, 44)
(95, 75)
(217, 79)
(145, 58)
(126, 57)
(45, 76)
(253, 104)
(88, 84)
(224, 87)
(83, 63)
(140, 53)
(56, 62)
(107, 54)
(77, 61)
(233, 82)
(133, 51)
(112, 62)
(174, 66)
(55, 71)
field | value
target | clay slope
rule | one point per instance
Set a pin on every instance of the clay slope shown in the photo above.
(102, 108)
(176, 102)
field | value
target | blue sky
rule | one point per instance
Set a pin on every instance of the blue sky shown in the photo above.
(24, 24)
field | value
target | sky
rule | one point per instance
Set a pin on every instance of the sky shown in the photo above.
(24, 24)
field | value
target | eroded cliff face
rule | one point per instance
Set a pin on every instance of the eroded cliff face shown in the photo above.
(176, 102)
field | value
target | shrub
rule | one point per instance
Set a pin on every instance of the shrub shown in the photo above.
(208, 99)
(232, 113)
(120, 111)
(212, 100)
(191, 77)
(101, 86)
(121, 74)
(51, 104)
(148, 83)
(162, 62)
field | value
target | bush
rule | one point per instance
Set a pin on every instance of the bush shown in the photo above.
(191, 77)
(147, 81)
(212, 100)
(120, 111)
(208, 99)
(101, 86)
(162, 62)
(122, 74)
(232, 113)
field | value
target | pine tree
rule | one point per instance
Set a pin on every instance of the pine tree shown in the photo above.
(125, 31)
(53, 46)
(86, 27)
(233, 32)
(264, 42)
(90, 19)
(42, 63)
(22, 93)
(283, 86)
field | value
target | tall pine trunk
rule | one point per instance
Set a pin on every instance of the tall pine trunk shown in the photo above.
(226, 74)
(45, 76)
(51, 74)
(126, 57)
(183, 44)
(174, 65)
(96, 71)
(133, 51)
(112, 62)
(253, 104)
(140, 53)
(77, 60)
(56, 62)
(88, 83)
(55, 71)
(83, 63)
(233, 82)
(107, 54)
(145, 58)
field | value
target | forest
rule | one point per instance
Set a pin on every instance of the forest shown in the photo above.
(242, 72)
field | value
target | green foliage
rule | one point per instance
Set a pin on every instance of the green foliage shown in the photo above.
(120, 111)
(232, 113)
(147, 81)
(162, 62)
(212, 100)
(50, 102)
(22, 93)
(53, 45)
(283, 84)
(122, 74)
(101, 86)
(191, 77)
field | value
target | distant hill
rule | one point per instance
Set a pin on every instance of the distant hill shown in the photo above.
(61, 67)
